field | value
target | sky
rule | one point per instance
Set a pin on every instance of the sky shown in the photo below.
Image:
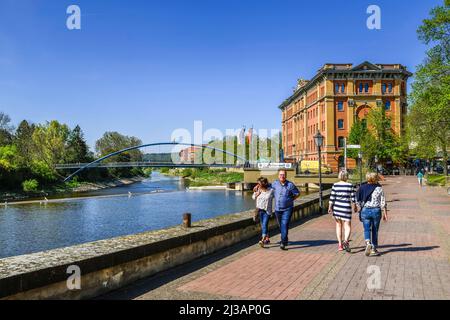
(146, 68)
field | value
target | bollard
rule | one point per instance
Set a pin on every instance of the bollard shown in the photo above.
(187, 220)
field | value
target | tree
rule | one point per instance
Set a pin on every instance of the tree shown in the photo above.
(5, 129)
(114, 141)
(77, 148)
(23, 139)
(430, 97)
(50, 142)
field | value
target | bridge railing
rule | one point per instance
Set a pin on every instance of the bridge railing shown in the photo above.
(143, 164)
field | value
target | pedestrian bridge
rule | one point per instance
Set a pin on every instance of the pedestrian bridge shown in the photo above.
(236, 160)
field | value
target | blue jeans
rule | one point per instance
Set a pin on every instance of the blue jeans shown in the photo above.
(264, 218)
(284, 218)
(371, 218)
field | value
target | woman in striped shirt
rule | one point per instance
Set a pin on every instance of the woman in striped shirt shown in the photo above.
(342, 204)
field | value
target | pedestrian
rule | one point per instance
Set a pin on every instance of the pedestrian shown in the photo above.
(341, 205)
(420, 178)
(264, 198)
(285, 193)
(371, 202)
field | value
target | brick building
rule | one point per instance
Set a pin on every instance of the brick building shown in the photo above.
(332, 100)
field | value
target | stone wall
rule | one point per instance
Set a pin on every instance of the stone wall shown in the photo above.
(109, 264)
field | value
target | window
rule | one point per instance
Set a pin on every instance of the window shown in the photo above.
(390, 87)
(343, 88)
(340, 106)
(361, 87)
(340, 124)
(387, 105)
(341, 142)
(366, 87)
(336, 88)
(383, 88)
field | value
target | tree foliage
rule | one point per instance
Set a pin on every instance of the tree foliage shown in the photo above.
(429, 122)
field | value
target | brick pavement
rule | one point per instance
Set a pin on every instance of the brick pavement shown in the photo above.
(414, 261)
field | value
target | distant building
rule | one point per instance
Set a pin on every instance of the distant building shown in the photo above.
(332, 100)
(187, 155)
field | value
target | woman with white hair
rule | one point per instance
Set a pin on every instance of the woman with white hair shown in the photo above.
(342, 204)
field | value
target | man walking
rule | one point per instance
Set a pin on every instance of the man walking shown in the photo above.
(285, 193)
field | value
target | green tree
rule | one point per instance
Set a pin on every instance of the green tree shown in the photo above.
(430, 97)
(113, 141)
(50, 142)
(23, 139)
(77, 148)
(5, 129)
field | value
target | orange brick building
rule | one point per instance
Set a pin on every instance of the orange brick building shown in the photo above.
(332, 100)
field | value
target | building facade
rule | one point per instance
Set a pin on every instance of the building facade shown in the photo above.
(332, 100)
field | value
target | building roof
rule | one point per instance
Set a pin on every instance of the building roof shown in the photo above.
(335, 68)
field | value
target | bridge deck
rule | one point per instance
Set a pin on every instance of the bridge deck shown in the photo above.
(414, 263)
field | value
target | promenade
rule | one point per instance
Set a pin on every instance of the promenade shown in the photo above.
(414, 261)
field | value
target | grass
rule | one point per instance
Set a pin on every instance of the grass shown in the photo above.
(436, 179)
(211, 177)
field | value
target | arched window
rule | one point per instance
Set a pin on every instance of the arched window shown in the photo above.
(383, 88)
(390, 87)
(366, 87)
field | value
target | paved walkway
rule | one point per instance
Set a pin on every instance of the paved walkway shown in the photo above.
(414, 261)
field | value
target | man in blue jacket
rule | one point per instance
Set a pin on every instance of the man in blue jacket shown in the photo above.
(285, 193)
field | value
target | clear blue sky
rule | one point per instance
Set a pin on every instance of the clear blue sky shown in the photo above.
(145, 68)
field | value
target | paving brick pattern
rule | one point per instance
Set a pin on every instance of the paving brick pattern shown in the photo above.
(414, 261)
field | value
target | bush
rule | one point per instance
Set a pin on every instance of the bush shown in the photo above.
(186, 172)
(30, 185)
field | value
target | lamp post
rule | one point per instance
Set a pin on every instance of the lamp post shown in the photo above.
(318, 139)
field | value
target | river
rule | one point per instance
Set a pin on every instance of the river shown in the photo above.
(27, 228)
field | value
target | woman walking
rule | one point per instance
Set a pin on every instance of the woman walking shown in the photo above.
(371, 201)
(420, 177)
(263, 195)
(341, 205)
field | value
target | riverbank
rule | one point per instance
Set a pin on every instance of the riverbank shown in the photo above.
(201, 178)
(64, 189)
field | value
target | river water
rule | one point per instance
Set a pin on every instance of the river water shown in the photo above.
(27, 228)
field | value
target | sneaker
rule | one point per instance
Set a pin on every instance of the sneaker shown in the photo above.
(266, 240)
(346, 246)
(261, 243)
(340, 248)
(283, 246)
(374, 252)
(368, 249)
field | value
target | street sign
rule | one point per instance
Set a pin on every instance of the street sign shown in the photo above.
(354, 146)
(269, 165)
